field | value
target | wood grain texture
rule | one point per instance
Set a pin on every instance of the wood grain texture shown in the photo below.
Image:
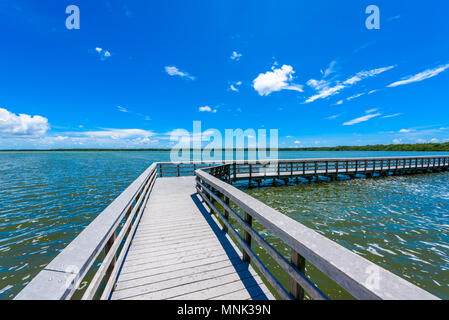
(180, 252)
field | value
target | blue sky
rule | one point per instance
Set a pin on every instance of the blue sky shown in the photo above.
(137, 70)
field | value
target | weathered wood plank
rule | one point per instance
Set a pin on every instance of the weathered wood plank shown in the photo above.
(179, 249)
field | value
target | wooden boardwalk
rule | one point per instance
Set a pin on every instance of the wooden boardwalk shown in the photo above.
(158, 239)
(180, 252)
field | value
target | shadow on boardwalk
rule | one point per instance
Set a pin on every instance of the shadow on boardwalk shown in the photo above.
(249, 282)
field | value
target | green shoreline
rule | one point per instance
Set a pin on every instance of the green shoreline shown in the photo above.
(379, 147)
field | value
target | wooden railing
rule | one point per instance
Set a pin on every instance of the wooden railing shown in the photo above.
(358, 276)
(307, 167)
(110, 235)
(180, 169)
(294, 167)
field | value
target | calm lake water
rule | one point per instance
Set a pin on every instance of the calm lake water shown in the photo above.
(47, 198)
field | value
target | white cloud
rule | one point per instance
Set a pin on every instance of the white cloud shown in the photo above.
(22, 124)
(276, 80)
(392, 115)
(335, 116)
(397, 141)
(366, 74)
(174, 71)
(317, 84)
(429, 73)
(405, 130)
(355, 96)
(207, 109)
(104, 54)
(122, 109)
(236, 56)
(371, 110)
(234, 86)
(117, 133)
(326, 91)
(339, 103)
(297, 142)
(330, 69)
(361, 119)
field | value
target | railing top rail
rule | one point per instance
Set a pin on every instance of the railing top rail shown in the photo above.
(55, 282)
(362, 278)
(299, 160)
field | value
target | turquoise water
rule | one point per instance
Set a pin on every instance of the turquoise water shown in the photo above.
(47, 198)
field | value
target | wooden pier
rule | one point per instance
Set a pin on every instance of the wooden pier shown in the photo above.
(173, 234)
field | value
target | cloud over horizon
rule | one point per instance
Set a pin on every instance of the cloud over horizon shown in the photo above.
(22, 124)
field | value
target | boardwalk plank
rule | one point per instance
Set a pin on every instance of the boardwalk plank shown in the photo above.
(179, 250)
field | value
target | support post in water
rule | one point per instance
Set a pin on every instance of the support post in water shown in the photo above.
(247, 237)
(300, 263)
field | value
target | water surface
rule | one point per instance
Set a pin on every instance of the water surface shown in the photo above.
(47, 198)
(399, 222)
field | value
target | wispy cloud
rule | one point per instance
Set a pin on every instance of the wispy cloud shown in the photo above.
(329, 70)
(355, 96)
(276, 80)
(364, 118)
(116, 133)
(174, 71)
(366, 74)
(391, 115)
(332, 117)
(122, 109)
(325, 90)
(126, 110)
(235, 86)
(429, 73)
(235, 56)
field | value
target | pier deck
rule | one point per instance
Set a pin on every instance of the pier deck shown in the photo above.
(180, 252)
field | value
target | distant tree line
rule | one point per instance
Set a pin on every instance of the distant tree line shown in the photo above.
(377, 147)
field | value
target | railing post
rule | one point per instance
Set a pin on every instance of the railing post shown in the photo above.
(279, 170)
(250, 174)
(356, 166)
(226, 214)
(300, 263)
(107, 247)
(179, 170)
(160, 170)
(235, 171)
(247, 236)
